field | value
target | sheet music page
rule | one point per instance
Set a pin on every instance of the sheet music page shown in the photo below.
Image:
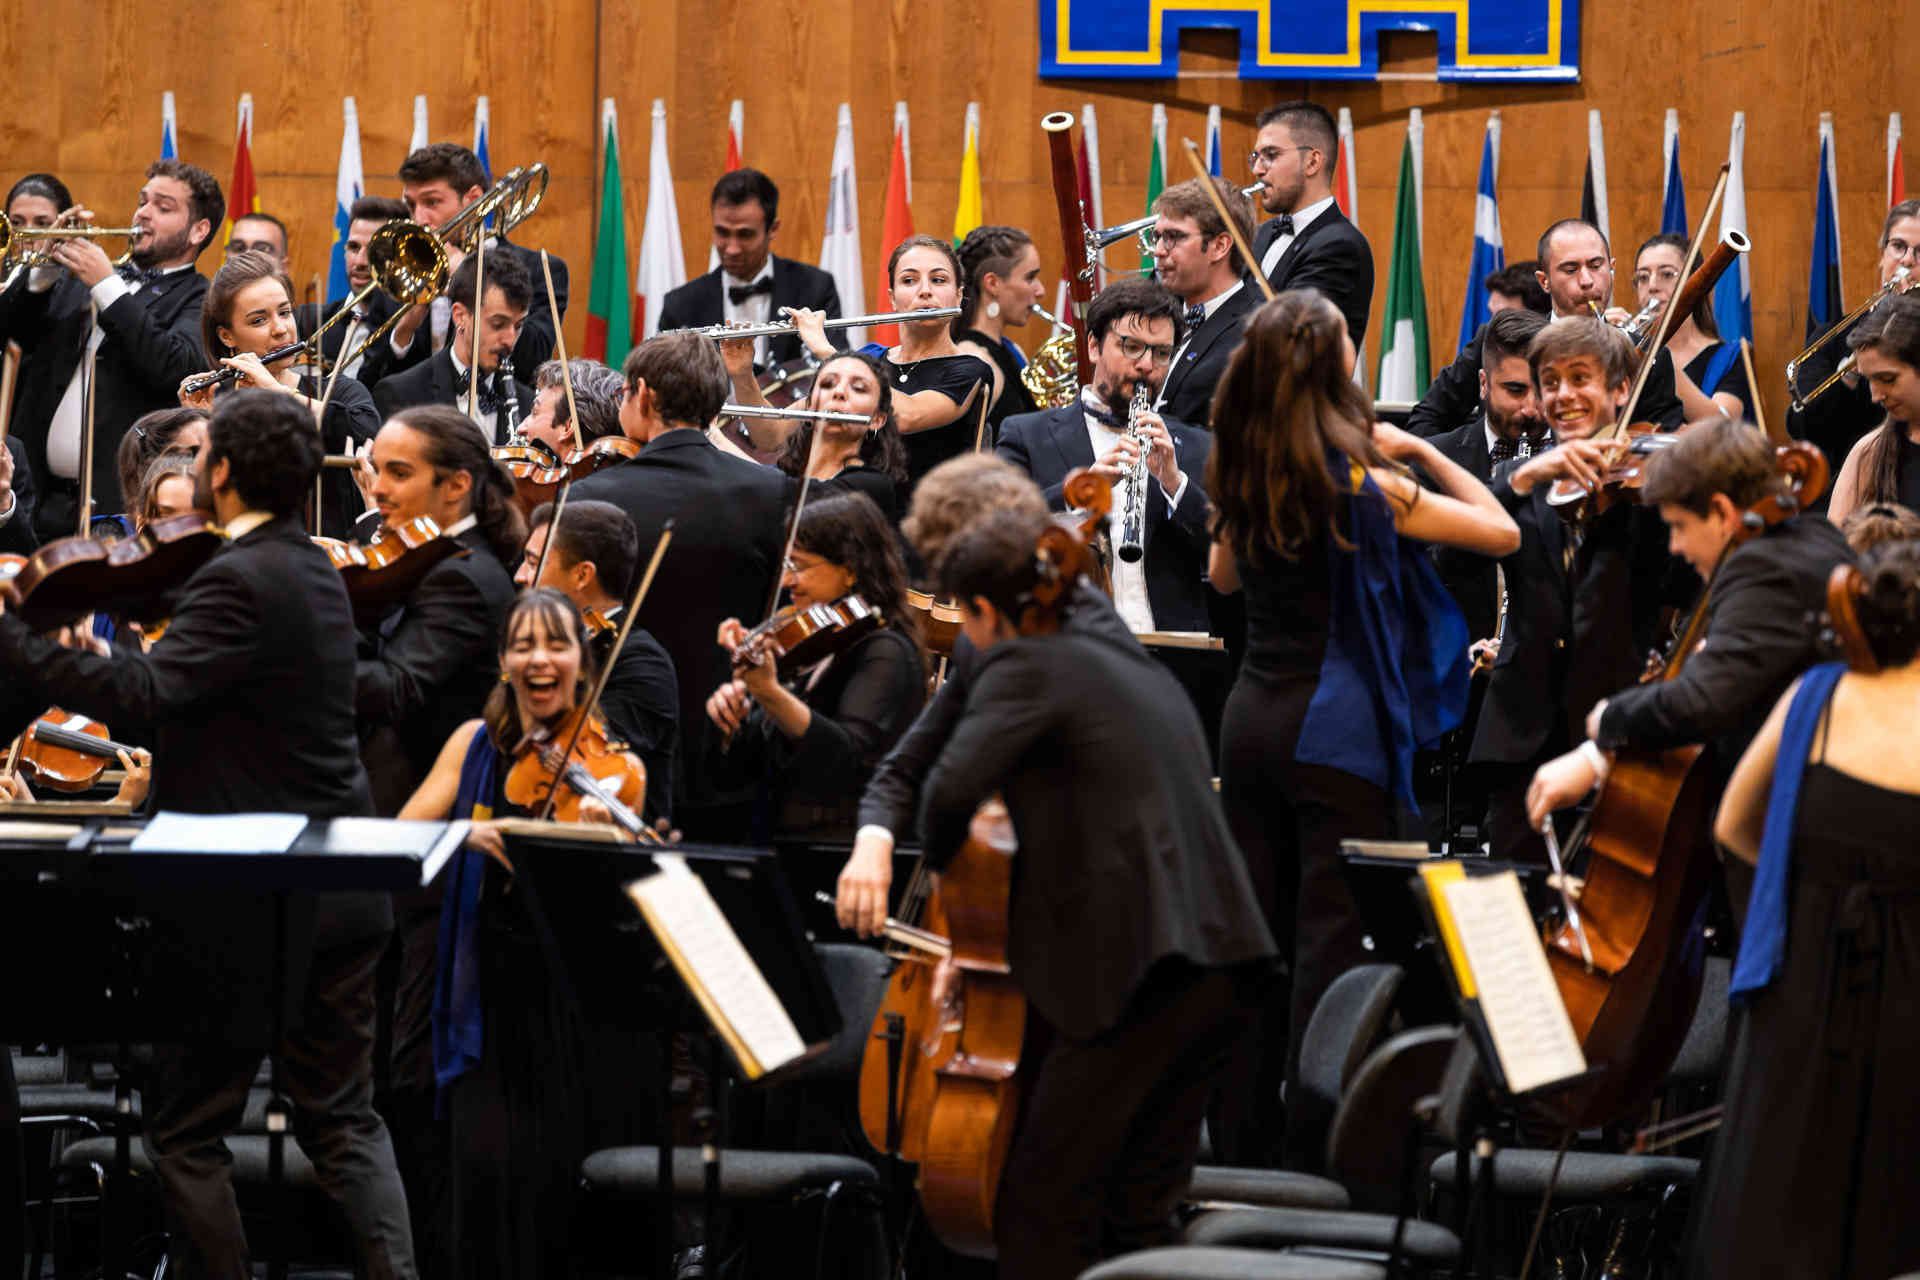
(1524, 1012)
(716, 966)
(245, 833)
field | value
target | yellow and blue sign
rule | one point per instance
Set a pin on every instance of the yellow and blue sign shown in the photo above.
(1313, 39)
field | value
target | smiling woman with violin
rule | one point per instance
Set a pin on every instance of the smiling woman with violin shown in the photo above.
(249, 313)
(815, 726)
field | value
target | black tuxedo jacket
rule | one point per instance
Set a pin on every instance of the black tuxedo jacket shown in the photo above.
(249, 696)
(1469, 577)
(728, 534)
(379, 360)
(1102, 890)
(1188, 391)
(16, 535)
(435, 382)
(151, 341)
(1758, 642)
(1052, 443)
(534, 348)
(1330, 255)
(702, 302)
(1454, 395)
(427, 667)
(642, 707)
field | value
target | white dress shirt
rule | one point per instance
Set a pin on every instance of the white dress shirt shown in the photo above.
(1212, 305)
(1301, 221)
(63, 429)
(755, 310)
(1129, 580)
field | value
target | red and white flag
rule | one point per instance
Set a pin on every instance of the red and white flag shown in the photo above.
(736, 126)
(663, 262)
(1896, 164)
(896, 222)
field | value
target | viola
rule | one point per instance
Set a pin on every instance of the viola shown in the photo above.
(385, 571)
(67, 752)
(939, 622)
(1620, 480)
(600, 769)
(69, 578)
(799, 637)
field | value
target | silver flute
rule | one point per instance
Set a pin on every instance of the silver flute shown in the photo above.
(810, 415)
(1133, 498)
(781, 327)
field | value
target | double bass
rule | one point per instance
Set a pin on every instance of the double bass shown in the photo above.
(939, 1086)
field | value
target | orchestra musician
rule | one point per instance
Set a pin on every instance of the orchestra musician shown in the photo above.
(250, 695)
(436, 182)
(16, 501)
(142, 327)
(484, 345)
(595, 555)
(37, 200)
(264, 233)
(596, 391)
(179, 429)
(936, 386)
(1884, 464)
(1847, 412)
(1193, 255)
(812, 736)
(751, 284)
(365, 215)
(1870, 526)
(1716, 380)
(1760, 594)
(1516, 285)
(249, 312)
(1308, 243)
(866, 459)
(1577, 273)
(728, 532)
(1138, 992)
(1001, 285)
(1309, 508)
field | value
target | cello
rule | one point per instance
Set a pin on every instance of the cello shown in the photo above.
(1628, 965)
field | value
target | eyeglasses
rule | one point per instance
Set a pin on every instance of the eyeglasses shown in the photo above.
(1133, 349)
(1169, 238)
(1266, 156)
(1900, 248)
(1665, 275)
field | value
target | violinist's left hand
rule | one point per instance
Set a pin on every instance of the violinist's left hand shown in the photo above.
(133, 787)
(1593, 719)
(1559, 784)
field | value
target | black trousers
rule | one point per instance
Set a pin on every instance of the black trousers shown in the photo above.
(199, 1093)
(1111, 1127)
(410, 1103)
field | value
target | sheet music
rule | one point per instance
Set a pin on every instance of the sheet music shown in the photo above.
(1518, 998)
(716, 967)
(245, 833)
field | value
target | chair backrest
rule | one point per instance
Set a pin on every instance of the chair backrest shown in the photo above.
(858, 976)
(1345, 1026)
(1704, 1051)
(1367, 1147)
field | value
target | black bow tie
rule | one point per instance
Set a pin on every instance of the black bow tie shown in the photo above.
(489, 388)
(138, 275)
(1103, 415)
(1196, 316)
(1505, 448)
(1283, 225)
(739, 293)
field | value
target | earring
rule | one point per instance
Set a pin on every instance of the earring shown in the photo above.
(993, 311)
(503, 677)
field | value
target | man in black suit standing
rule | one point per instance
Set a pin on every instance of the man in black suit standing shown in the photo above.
(437, 182)
(1308, 244)
(1193, 255)
(1143, 1013)
(751, 285)
(366, 216)
(143, 327)
(728, 533)
(249, 695)
(483, 343)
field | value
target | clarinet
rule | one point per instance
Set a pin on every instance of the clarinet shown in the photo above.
(1133, 504)
(503, 385)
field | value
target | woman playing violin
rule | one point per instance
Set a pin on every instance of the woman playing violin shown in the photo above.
(816, 734)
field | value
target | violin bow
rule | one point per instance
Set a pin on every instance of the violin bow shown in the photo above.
(600, 682)
(86, 430)
(793, 526)
(473, 319)
(9, 370)
(560, 354)
(1233, 229)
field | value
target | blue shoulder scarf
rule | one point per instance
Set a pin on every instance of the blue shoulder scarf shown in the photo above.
(457, 1000)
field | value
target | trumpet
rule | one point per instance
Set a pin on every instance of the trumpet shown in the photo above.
(39, 256)
(1901, 282)
(779, 328)
(1133, 499)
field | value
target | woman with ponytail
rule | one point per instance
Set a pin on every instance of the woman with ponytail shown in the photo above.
(1000, 283)
(1811, 1174)
(1884, 464)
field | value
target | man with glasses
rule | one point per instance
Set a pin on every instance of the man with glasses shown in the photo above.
(1193, 255)
(1308, 244)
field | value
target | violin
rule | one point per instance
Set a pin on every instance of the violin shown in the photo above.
(386, 570)
(798, 637)
(939, 622)
(1620, 480)
(67, 752)
(69, 578)
(538, 470)
(599, 768)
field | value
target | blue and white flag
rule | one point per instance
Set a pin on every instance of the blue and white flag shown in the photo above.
(169, 128)
(420, 136)
(480, 138)
(1733, 295)
(1673, 207)
(1489, 252)
(1213, 140)
(349, 185)
(1823, 274)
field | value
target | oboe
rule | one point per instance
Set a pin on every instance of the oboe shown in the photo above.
(1133, 499)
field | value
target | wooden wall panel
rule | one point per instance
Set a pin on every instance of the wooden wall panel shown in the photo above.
(88, 106)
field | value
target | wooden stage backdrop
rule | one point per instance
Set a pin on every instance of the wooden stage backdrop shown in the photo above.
(86, 105)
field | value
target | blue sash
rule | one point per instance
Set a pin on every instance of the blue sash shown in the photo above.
(458, 1036)
(1717, 367)
(1763, 946)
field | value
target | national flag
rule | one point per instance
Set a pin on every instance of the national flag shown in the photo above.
(736, 131)
(840, 235)
(896, 224)
(1733, 295)
(480, 138)
(1346, 197)
(1403, 354)
(1823, 273)
(170, 128)
(1673, 207)
(1213, 140)
(243, 197)
(663, 262)
(1896, 164)
(1489, 251)
(609, 321)
(1089, 175)
(420, 135)
(1156, 171)
(967, 214)
(1593, 187)
(349, 184)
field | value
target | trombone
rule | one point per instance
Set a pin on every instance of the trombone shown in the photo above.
(1900, 283)
(779, 328)
(39, 255)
